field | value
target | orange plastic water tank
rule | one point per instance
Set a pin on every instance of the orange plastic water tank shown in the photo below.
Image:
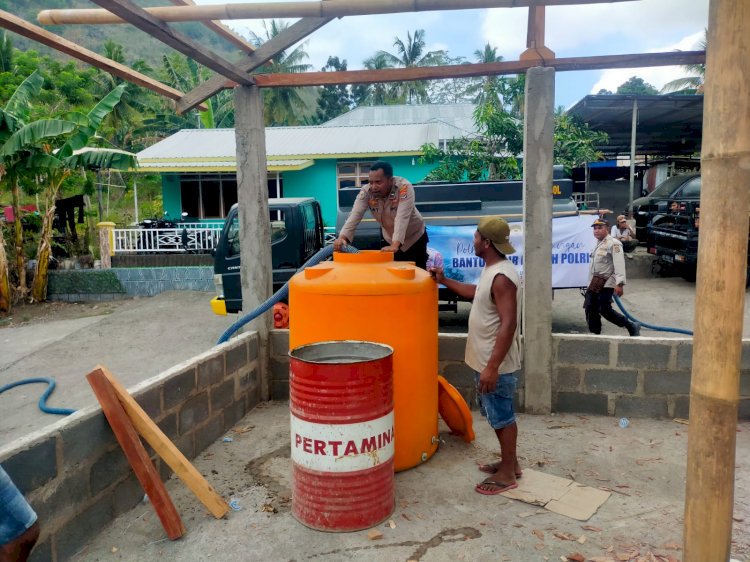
(369, 297)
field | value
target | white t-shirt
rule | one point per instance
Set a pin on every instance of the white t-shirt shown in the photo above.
(617, 233)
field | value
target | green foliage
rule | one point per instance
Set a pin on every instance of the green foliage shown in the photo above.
(333, 100)
(574, 142)
(636, 86)
(491, 154)
(282, 106)
(693, 83)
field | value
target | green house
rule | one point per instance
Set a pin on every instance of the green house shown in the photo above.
(199, 166)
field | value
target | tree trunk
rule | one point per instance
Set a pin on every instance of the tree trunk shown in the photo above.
(4, 277)
(18, 238)
(39, 285)
(44, 251)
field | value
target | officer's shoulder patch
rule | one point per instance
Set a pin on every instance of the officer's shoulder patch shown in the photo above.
(617, 248)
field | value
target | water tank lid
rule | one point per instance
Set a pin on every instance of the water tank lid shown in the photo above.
(454, 410)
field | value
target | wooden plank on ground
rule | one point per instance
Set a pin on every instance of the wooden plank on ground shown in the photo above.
(136, 454)
(154, 436)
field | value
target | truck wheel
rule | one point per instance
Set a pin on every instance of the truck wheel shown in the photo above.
(688, 274)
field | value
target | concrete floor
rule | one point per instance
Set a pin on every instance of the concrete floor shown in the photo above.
(438, 514)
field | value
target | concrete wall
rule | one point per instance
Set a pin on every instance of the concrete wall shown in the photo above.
(604, 375)
(74, 472)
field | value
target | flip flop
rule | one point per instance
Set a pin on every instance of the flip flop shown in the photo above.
(499, 487)
(491, 468)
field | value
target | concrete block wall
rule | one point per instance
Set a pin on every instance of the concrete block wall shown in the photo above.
(626, 377)
(131, 282)
(605, 375)
(74, 472)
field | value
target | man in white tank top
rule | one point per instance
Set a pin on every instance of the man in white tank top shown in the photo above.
(493, 345)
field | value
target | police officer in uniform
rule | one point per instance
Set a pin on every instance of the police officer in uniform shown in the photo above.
(390, 199)
(607, 275)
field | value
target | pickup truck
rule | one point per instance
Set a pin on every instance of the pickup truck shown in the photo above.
(296, 235)
(673, 239)
(684, 189)
(458, 204)
(297, 231)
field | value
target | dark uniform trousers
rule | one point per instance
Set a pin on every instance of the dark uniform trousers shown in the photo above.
(600, 304)
(417, 252)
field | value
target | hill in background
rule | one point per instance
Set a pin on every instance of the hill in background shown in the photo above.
(136, 43)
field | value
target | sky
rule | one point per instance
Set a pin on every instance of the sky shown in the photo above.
(638, 26)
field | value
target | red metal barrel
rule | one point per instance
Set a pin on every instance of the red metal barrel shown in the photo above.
(341, 401)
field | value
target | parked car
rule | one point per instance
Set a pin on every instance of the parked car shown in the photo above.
(683, 189)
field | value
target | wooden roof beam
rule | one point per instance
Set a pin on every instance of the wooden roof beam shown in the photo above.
(320, 9)
(35, 33)
(471, 70)
(293, 34)
(535, 47)
(220, 29)
(178, 41)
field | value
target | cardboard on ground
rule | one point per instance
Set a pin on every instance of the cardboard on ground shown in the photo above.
(558, 495)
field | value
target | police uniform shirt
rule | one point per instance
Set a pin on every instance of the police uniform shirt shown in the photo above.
(608, 259)
(397, 214)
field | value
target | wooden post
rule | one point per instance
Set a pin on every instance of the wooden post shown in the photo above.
(720, 289)
(539, 125)
(255, 226)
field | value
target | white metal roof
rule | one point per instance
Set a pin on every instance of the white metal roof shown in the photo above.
(199, 147)
(454, 120)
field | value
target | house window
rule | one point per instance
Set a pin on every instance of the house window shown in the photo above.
(352, 174)
(208, 196)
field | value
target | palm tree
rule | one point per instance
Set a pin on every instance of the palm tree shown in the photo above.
(282, 106)
(410, 55)
(379, 93)
(692, 84)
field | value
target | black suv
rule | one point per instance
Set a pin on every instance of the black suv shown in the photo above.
(682, 188)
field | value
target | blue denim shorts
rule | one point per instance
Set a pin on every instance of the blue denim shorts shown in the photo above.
(497, 406)
(16, 515)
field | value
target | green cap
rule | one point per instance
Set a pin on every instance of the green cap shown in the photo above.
(497, 231)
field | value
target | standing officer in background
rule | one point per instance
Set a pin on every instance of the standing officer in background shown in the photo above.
(607, 277)
(391, 201)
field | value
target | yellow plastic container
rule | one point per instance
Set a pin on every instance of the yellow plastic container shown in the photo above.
(369, 297)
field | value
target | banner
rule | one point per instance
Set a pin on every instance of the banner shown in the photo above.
(572, 244)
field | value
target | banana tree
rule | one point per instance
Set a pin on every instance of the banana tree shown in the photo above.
(13, 116)
(33, 146)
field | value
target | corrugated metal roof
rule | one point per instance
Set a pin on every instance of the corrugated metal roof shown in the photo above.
(667, 124)
(217, 165)
(198, 146)
(454, 120)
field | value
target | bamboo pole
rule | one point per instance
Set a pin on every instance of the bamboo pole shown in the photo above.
(320, 9)
(220, 29)
(720, 290)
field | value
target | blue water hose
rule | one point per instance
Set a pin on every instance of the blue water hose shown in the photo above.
(43, 398)
(649, 326)
(281, 294)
